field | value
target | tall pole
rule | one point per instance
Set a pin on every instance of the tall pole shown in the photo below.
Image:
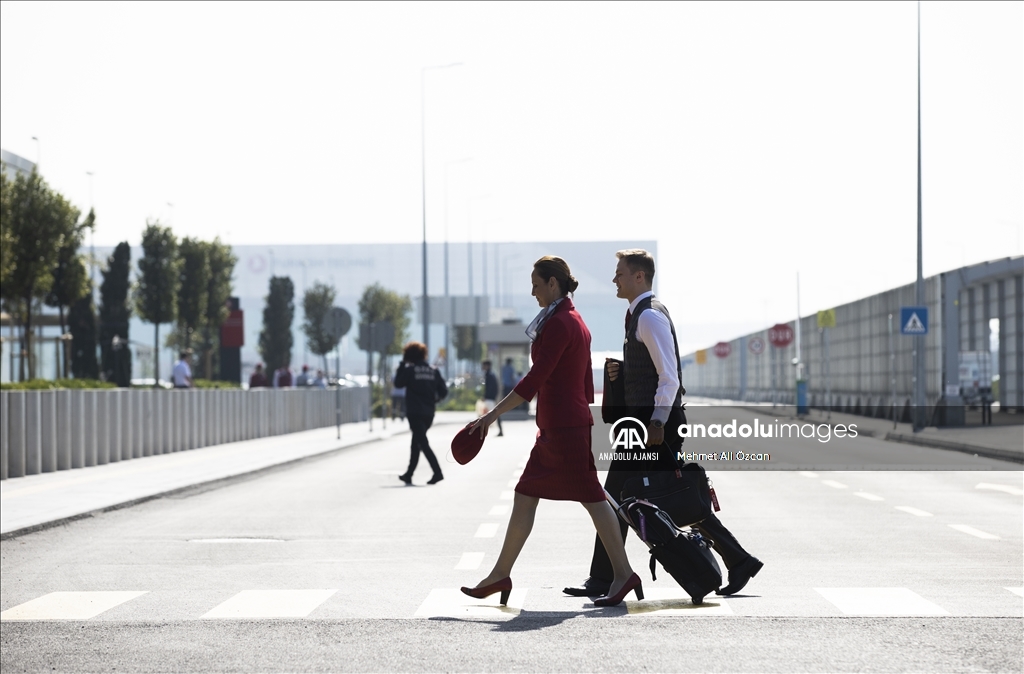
(919, 363)
(447, 296)
(423, 167)
(799, 360)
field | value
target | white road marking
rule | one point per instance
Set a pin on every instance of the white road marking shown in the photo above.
(807, 473)
(507, 495)
(517, 473)
(470, 561)
(1019, 591)
(270, 604)
(68, 605)
(499, 510)
(673, 601)
(451, 603)
(1009, 489)
(486, 530)
(870, 497)
(974, 532)
(880, 601)
(834, 484)
(513, 482)
(236, 540)
(914, 511)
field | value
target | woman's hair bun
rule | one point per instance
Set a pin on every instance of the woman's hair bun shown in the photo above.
(573, 283)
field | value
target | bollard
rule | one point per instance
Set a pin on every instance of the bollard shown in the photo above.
(63, 418)
(149, 422)
(33, 429)
(128, 420)
(167, 422)
(77, 428)
(174, 407)
(16, 434)
(5, 446)
(48, 431)
(89, 427)
(113, 425)
(102, 421)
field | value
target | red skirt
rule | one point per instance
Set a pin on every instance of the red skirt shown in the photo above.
(561, 467)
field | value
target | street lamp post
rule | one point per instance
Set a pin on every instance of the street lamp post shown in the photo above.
(919, 363)
(423, 160)
(448, 306)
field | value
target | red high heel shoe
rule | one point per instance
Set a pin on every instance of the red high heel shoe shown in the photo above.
(504, 586)
(632, 584)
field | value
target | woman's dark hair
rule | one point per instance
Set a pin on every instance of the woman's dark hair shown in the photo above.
(414, 352)
(549, 266)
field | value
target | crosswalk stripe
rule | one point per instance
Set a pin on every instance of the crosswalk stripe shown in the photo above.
(1019, 591)
(451, 603)
(68, 605)
(669, 601)
(880, 601)
(270, 604)
(1009, 489)
(486, 530)
(470, 561)
(499, 510)
(914, 511)
(866, 495)
(513, 482)
(507, 495)
(834, 484)
(807, 473)
(967, 529)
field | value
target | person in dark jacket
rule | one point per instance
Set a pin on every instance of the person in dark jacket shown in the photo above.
(491, 391)
(424, 387)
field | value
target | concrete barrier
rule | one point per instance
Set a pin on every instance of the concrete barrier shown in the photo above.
(44, 431)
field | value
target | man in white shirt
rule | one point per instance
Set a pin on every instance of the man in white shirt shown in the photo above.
(182, 372)
(653, 394)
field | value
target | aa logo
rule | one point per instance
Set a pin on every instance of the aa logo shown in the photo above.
(625, 435)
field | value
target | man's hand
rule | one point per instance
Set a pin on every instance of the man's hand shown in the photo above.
(655, 434)
(613, 368)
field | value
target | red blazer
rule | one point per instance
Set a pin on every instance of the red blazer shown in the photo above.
(561, 374)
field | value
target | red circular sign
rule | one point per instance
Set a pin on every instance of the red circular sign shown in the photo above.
(780, 335)
(756, 345)
(723, 349)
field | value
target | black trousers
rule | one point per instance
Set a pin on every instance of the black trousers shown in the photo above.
(419, 424)
(725, 544)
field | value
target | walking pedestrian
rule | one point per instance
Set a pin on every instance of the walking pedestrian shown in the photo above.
(305, 378)
(283, 377)
(424, 388)
(320, 381)
(561, 465)
(182, 373)
(258, 379)
(491, 392)
(653, 395)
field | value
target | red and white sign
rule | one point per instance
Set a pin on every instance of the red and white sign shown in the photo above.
(780, 335)
(723, 349)
(756, 345)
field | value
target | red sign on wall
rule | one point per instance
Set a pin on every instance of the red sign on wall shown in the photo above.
(723, 349)
(780, 335)
(232, 331)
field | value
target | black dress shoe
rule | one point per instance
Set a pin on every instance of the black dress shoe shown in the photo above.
(407, 479)
(591, 587)
(739, 576)
(437, 478)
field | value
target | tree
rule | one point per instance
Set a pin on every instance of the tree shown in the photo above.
(222, 267)
(157, 292)
(70, 277)
(82, 324)
(316, 305)
(115, 311)
(276, 338)
(193, 290)
(7, 261)
(381, 304)
(38, 223)
(467, 346)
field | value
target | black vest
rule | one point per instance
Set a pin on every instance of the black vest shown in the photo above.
(640, 375)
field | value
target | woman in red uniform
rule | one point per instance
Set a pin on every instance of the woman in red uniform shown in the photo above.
(561, 465)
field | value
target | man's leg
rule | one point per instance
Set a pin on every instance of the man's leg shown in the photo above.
(429, 453)
(418, 426)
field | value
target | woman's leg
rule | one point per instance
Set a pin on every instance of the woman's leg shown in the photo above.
(520, 523)
(607, 525)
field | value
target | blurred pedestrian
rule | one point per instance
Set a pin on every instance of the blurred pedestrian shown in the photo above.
(320, 381)
(491, 392)
(424, 387)
(304, 378)
(182, 373)
(283, 377)
(258, 379)
(508, 377)
(561, 465)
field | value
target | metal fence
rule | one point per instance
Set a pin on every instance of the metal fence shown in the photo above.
(45, 431)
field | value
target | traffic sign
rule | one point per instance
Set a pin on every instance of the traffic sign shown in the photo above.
(702, 357)
(827, 318)
(723, 349)
(913, 320)
(780, 335)
(376, 337)
(337, 323)
(756, 345)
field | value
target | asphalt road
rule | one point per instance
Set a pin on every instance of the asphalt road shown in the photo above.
(333, 565)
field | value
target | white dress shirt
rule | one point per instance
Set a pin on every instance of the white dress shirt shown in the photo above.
(654, 331)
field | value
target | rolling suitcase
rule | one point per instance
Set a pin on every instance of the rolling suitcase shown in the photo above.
(685, 555)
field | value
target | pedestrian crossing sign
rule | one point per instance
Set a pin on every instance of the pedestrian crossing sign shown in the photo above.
(913, 320)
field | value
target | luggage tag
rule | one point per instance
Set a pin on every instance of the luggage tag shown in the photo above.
(714, 498)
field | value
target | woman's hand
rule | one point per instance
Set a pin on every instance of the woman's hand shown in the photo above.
(481, 424)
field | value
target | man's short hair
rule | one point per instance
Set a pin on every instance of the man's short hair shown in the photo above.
(487, 363)
(184, 354)
(638, 259)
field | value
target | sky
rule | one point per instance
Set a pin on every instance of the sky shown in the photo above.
(753, 141)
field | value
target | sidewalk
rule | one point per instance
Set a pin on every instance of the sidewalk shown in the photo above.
(41, 501)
